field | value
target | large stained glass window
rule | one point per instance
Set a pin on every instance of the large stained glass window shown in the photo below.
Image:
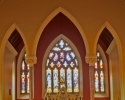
(24, 77)
(99, 74)
(62, 66)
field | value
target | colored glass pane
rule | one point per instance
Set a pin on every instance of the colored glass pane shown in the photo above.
(23, 65)
(23, 83)
(96, 65)
(62, 62)
(56, 49)
(69, 80)
(101, 65)
(47, 62)
(65, 64)
(48, 80)
(99, 74)
(72, 64)
(101, 81)
(68, 57)
(55, 58)
(75, 80)
(28, 82)
(96, 82)
(62, 77)
(24, 76)
(61, 43)
(72, 54)
(55, 80)
(67, 48)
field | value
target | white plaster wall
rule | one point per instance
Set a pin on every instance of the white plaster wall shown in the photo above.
(7, 77)
(115, 86)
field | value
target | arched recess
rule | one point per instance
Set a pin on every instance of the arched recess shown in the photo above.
(119, 47)
(50, 17)
(106, 94)
(78, 57)
(2, 49)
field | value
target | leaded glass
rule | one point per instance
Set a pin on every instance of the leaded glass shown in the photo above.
(62, 77)
(99, 74)
(24, 76)
(51, 55)
(67, 48)
(23, 83)
(55, 57)
(101, 81)
(23, 65)
(65, 64)
(47, 62)
(58, 64)
(96, 82)
(61, 43)
(101, 65)
(51, 64)
(49, 80)
(72, 54)
(76, 62)
(55, 80)
(28, 82)
(75, 80)
(68, 57)
(63, 68)
(69, 80)
(72, 64)
(56, 49)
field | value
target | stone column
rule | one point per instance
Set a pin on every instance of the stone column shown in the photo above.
(30, 60)
(91, 61)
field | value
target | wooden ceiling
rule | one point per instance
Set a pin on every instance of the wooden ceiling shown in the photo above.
(106, 37)
(16, 40)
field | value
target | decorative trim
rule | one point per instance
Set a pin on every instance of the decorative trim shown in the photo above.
(31, 60)
(11, 48)
(91, 60)
(111, 46)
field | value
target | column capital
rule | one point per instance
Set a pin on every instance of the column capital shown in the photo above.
(91, 60)
(31, 60)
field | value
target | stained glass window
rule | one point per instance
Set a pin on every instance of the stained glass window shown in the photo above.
(24, 77)
(62, 67)
(75, 80)
(48, 80)
(99, 74)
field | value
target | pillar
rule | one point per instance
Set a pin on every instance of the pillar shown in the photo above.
(31, 60)
(91, 61)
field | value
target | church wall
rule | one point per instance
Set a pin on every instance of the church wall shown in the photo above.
(113, 57)
(104, 48)
(7, 74)
(59, 25)
(91, 15)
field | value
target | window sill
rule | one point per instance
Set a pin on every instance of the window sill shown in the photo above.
(98, 95)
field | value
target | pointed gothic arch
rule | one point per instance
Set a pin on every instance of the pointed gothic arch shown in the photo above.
(9, 32)
(78, 58)
(50, 17)
(119, 47)
(105, 63)
(2, 49)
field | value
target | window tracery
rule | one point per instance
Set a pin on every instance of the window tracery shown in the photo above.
(62, 63)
